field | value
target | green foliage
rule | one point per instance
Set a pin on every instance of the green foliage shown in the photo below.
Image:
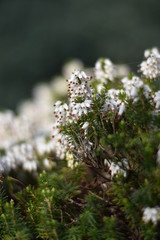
(62, 207)
(11, 223)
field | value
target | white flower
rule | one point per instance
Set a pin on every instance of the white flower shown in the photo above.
(60, 112)
(109, 105)
(115, 169)
(13, 129)
(78, 86)
(158, 156)
(38, 109)
(118, 168)
(151, 67)
(79, 109)
(114, 93)
(156, 99)
(122, 70)
(19, 155)
(69, 66)
(42, 146)
(152, 52)
(151, 214)
(60, 142)
(85, 125)
(113, 103)
(42, 91)
(7, 163)
(57, 104)
(104, 70)
(132, 87)
(47, 164)
(122, 109)
(58, 86)
(146, 91)
(30, 166)
(100, 87)
(106, 163)
(70, 160)
(85, 128)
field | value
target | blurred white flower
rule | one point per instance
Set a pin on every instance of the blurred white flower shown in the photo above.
(19, 155)
(70, 66)
(105, 70)
(118, 168)
(59, 87)
(158, 156)
(48, 164)
(152, 52)
(100, 87)
(151, 214)
(70, 160)
(121, 70)
(156, 99)
(42, 146)
(85, 125)
(132, 87)
(30, 166)
(13, 128)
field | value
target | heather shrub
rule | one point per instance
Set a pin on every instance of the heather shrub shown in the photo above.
(107, 183)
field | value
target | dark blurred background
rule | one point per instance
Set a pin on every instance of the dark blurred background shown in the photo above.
(38, 36)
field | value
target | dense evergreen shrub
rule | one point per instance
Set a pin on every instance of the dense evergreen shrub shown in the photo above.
(111, 189)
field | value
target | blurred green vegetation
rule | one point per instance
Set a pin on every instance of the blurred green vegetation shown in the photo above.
(37, 36)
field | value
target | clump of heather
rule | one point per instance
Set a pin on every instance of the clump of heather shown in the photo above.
(105, 149)
(111, 125)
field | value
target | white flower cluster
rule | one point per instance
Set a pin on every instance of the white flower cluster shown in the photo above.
(80, 94)
(38, 109)
(21, 154)
(48, 164)
(70, 160)
(42, 146)
(61, 113)
(78, 86)
(151, 214)
(150, 68)
(70, 66)
(13, 129)
(100, 88)
(32, 126)
(60, 141)
(132, 87)
(120, 167)
(152, 52)
(122, 70)
(58, 87)
(79, 109)
(80, 103)
(113, 103)
(105, 70)
(85, 128)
